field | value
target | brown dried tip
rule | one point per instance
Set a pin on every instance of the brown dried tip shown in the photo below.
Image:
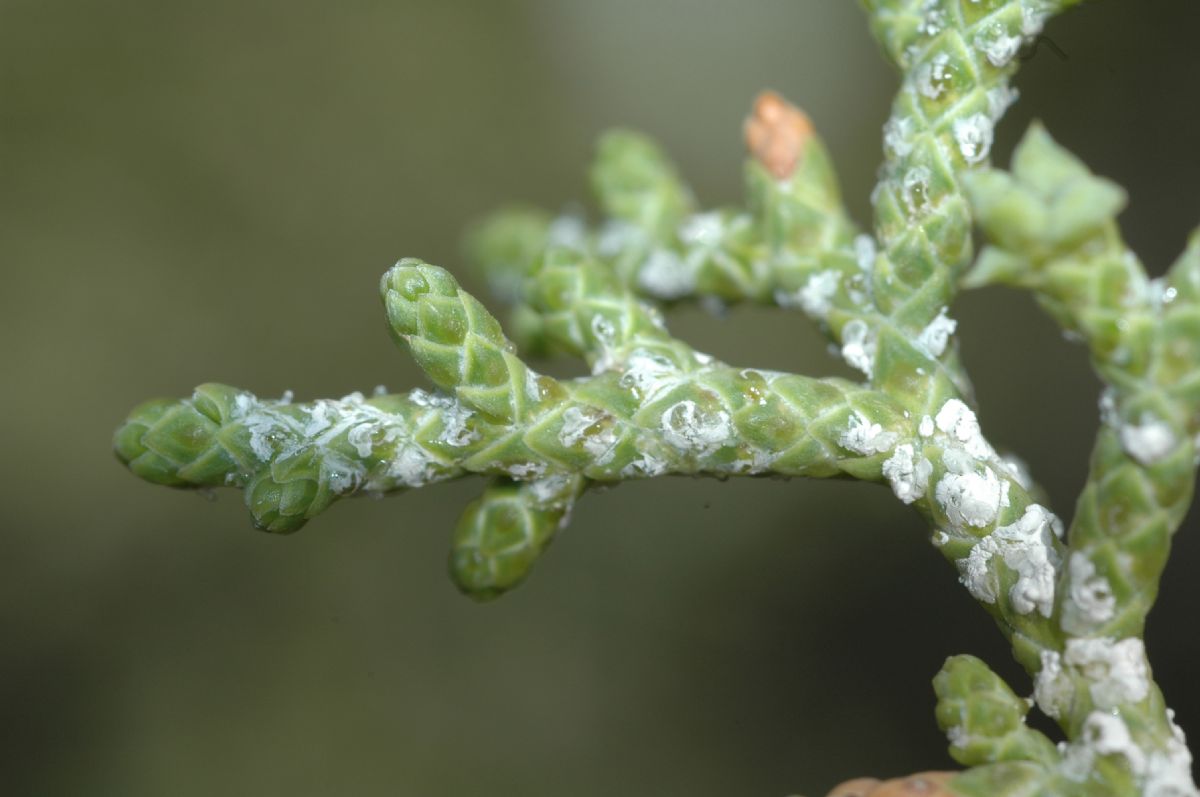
(777, 134)
(922, 784)
(859, 787)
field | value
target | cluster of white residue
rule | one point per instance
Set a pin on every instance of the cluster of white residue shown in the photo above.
(1164, 772)
(1090, 601)
(858, 346)
(932, 18)
(974, 137)
(972, 491)
(997, 45)
(685, 426)
(865, 437)
(667, 273)
(933, 76)
(648, 374)
(816, 296)
(556, 491)
(1027, 547)
(1149, 442)
(384, 453)
(694, 429)
(1115, 673)
(908, 473)
(593, 429)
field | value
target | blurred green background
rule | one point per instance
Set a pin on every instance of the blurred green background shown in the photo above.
(210, 191)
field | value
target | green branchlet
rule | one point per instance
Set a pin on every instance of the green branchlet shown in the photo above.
(1051, 228)
(501, 535)
(984, 720)
(636, 184)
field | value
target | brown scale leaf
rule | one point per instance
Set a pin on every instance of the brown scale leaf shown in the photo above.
(777, 133)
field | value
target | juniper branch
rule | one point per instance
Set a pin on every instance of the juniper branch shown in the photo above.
(1051, 226)
(654, 406)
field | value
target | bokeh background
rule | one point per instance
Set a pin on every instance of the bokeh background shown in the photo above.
(198, 192)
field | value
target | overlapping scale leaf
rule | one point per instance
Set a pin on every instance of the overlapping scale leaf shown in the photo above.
(983, 719)
(501, 534)
(458, 343)
(637, 184)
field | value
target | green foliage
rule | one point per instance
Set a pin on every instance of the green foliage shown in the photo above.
(984, 720)
(1073, 606)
